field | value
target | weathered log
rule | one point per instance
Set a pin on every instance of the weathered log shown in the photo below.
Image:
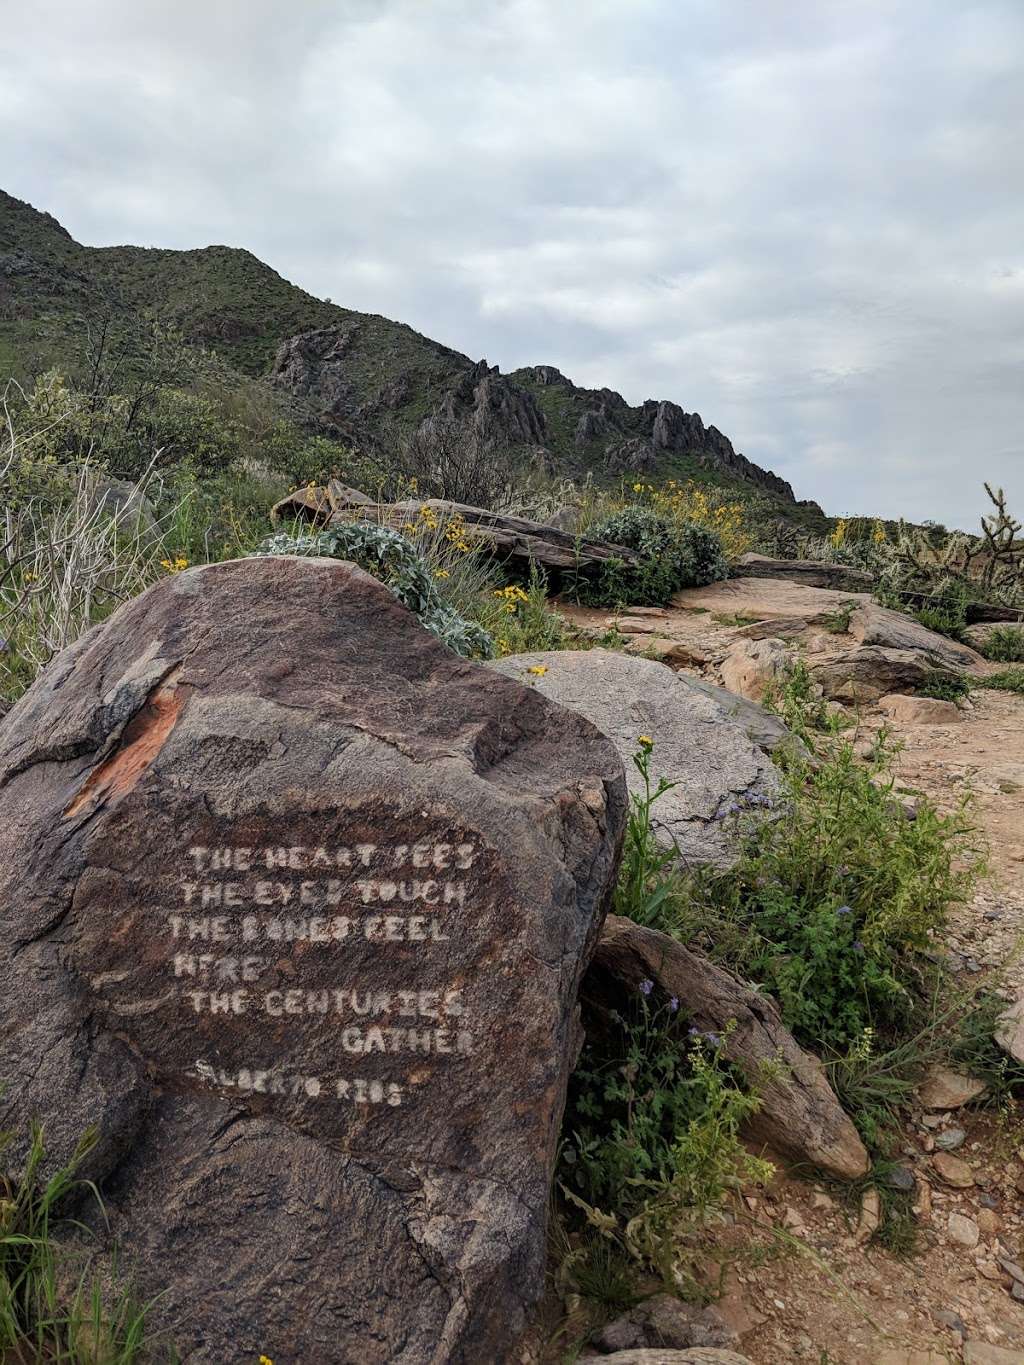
(800, 1117)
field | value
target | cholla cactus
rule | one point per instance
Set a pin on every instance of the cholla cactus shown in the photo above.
(1000, 554)
(933, 561)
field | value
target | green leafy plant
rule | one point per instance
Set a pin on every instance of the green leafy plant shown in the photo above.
(647, 874)
(394, 560)
(1009, 680)
(652, 1129)
(833, 909)
(794, 696)
(672, 555)
(944, 686)
(1004, 644)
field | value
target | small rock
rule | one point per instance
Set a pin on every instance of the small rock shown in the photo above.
(911, 1357)
(920, 710)
(900, 1178)
(946, 1089)
(953, 1171)
(950, 1139)
(944, 1318)
(751, 665)
(963, 1230)
(621, 1335)
(1010, 1033)
(923, 1202)
(988, 1221)
(1017, 1292)
(1012, 1269)
(870, 1215)
(635, 625)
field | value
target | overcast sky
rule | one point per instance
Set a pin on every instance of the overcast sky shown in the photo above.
(803, 219)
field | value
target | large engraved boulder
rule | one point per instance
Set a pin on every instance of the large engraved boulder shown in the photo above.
(294, 906)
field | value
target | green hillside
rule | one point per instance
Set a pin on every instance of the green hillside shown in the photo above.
(351, 377)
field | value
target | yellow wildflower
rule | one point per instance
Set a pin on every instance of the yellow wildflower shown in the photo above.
(645, 741)
(265, 1360)
(538, 669)
(442, 573)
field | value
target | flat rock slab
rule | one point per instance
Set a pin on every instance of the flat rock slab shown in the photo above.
(869, 672)
(698, 745)
(945, 1089)
(766, 598)
(294, 905)
(659, 1355)
(871, 624)
(812, 573)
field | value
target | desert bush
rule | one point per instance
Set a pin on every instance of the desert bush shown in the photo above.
(672, 556)
(653, 1114)
(67, 563)
(834, 908)
(447, 457)
(653, 1107)
(680, 504)
(1008, 680)
(394, 560)
(794, 696)
(1004, 644)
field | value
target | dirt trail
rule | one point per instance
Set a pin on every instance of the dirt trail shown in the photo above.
(834, 1300)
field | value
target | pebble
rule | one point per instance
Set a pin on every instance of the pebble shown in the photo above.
(953, 1171)
(963, 1230)
(950, 1139)
(944, 1318)
(988, 1222)
(900, 1178)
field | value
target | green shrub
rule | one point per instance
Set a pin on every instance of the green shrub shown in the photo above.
(833, 908)
(654, 1110)
(944, 686)
(794, 696)
(1009, 680)
(672, 556)
(1004, 644)
(393, 559)
(651, 1131)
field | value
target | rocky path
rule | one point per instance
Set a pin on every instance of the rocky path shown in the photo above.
(823, 1293)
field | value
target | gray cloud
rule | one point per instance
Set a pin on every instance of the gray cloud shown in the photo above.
(803, 221)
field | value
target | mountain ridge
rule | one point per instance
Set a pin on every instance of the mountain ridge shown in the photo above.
(356, 375)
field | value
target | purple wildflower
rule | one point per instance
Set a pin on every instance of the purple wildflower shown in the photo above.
(693, 1031)
(673, 1004)
(646, 987)
(858, 947)
(844, 910)
(714, 1039)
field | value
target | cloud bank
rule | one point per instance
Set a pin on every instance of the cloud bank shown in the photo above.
(803, 221)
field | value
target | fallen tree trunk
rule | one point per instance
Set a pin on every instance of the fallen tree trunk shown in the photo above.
(799, 1117)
